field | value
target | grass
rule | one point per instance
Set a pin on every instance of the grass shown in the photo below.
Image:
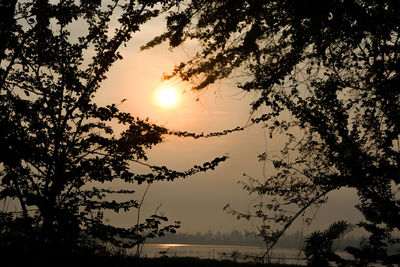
(196, 262)
(119, 261)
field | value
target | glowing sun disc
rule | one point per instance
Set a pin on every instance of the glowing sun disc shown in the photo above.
(167, 97)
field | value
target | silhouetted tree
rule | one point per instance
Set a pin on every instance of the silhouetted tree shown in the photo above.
(318, 246)
(7, 9)
(57, 145)
(327, 76)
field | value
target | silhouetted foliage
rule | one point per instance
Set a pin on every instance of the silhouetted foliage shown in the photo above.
(57, 145)
(327, 76)
(318, 247)
(7, 9)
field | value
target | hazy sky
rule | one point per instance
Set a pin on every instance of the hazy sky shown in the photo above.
(198, 200)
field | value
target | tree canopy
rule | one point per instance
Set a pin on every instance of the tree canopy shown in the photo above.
(327, 76)
(57, 145)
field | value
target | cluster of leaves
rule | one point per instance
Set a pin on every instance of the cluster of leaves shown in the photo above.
(206, 135)
(327, 75)
(55, 141)
(318, 247)
(132, 237)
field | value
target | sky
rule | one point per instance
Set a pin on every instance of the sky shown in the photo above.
(198, 200)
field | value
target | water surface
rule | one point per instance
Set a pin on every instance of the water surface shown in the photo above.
(220, 252)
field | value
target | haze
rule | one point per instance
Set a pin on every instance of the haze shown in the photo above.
(198, 201)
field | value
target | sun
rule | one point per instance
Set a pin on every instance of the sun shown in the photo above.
(167, 97)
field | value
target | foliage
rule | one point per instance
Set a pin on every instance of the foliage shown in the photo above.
(377, 248)
(318, 246)
(327, 76)
(58, 147)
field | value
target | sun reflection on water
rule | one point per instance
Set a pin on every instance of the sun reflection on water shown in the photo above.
(173, 245)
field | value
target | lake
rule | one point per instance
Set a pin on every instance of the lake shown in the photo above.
(221, 252)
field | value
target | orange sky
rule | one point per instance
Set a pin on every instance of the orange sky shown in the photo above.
(198, 200)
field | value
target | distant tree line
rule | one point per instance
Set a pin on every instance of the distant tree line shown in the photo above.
(246, 238)
(235, 237)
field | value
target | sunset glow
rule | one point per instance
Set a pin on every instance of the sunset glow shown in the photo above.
(167, 97)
